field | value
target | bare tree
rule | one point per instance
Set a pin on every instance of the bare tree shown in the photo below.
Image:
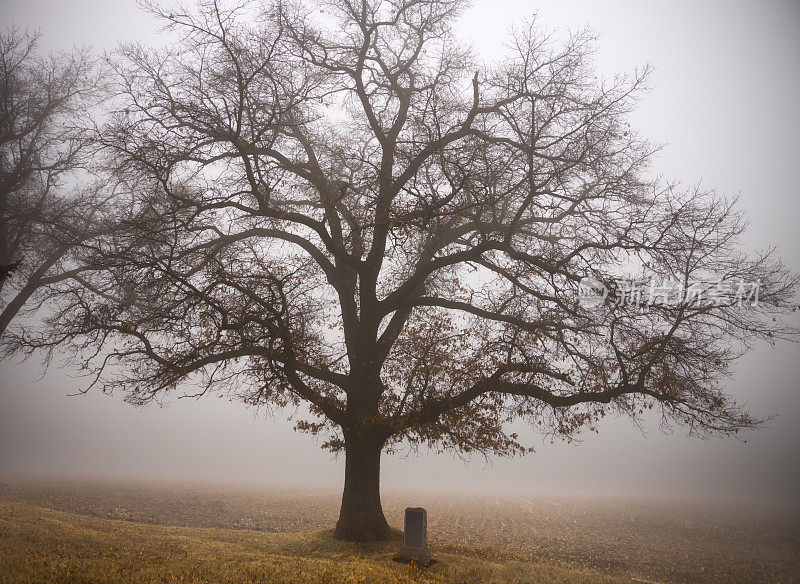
(47, 209)
(338, 209)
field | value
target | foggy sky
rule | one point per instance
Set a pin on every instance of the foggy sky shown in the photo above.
(724, 99)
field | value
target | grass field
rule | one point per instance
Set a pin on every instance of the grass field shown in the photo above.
(104, 532)
(44, 545)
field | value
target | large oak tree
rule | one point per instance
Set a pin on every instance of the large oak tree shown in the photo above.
(337, 208)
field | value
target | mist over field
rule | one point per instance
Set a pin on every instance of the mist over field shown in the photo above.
(724, 99)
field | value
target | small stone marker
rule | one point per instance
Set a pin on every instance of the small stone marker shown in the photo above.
(415, 537)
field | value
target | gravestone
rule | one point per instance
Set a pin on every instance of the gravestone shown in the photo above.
(415, 537)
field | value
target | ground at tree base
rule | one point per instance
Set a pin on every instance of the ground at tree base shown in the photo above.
(45, 545)
(657, 540)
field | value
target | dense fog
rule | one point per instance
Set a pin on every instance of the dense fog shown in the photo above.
(724, 103)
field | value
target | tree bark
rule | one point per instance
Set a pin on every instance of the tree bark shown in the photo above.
(361, 517)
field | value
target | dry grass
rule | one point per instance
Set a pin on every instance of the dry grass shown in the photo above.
(45, 545)
(678, 542)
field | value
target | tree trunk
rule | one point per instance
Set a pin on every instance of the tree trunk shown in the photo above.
(361, 517)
